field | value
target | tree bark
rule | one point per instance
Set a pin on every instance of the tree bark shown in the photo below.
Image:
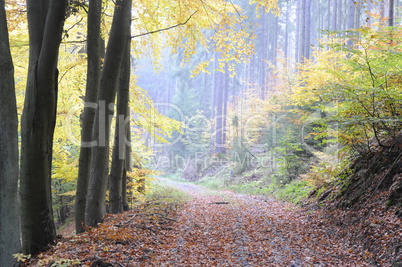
(205, 100)
(127, 165)
(308, 28)
(95, 205)
(369, 8)
(358, 8)
(45, 23)
(276, 40)
(382, 11)
(262, 56)
(391, 13)
(335, 18)
(91, 98)
(329, 15)
(214, 96)
(303, 31)
(225, 106)
(297, 46)
(286, 48)
(339, 15)
(219, 102)
(351, 21)
(119, 147)
(9, 210)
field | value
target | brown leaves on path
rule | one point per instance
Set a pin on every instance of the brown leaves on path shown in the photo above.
(215, 228)
(250, 231)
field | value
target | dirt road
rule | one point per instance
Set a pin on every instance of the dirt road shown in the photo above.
(221, 228)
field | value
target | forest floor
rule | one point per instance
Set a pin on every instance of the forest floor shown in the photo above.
(221, 228)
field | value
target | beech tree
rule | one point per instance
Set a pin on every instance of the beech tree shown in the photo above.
(119, 155)
(9, 210)
(45, 24)
(95, 204)
(91, 97)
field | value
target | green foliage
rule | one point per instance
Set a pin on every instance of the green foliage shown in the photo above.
(212, 182)
(294, 191)
(363, 85)
(170, 195)
(290, 158)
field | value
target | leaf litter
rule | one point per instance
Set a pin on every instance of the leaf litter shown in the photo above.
(221, 228)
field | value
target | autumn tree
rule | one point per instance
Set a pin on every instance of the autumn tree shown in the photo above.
(95, 205)
(91, 97)
(45, 23)
(119, 156)
(9, 210)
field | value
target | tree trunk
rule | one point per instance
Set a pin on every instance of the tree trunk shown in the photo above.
(205, 100)
(382, 11)
(225, 106)
(276, 40)
(335, 18)
(45, 23)
(214, 94)
(95, 206)
(329, 15)
(219, 102)
(91, 98)
(122, 117)
(340, 15)
(127, 165)
(308, 28)
(351, 21)
(391, 13)
(297, 45)
(303, 31)
(9, 210)
(262, 56)
(369, 8)
(358, 7)
(286, 48)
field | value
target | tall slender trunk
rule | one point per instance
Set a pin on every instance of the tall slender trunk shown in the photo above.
(391, 13)
(127, 165)
(297, 45)
(9, 210)
(276, 39)
(262, 56)
(225, 106)
(351, 20)
(340, 16)
(95, 205)
(303, 31)
(286, 48)
(308, 28)
(358, 8)
(205, 102)
(214, 95)
(329, 15)
(91, 98)
(335, 18)
(122, 118)
(382, 11)
(218, 132)
(369, 17)
(45, 24)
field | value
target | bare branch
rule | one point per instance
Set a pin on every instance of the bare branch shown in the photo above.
(165, 29)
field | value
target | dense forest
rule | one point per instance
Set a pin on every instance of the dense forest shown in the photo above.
(101, 101)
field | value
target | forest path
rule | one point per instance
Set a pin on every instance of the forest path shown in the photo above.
(221, 228)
